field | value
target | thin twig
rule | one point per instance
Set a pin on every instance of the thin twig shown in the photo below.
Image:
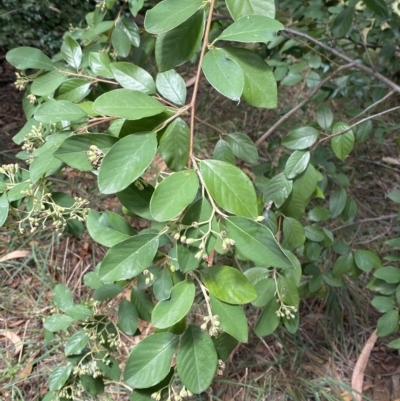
(303, 102)
(88, 77)
(368, 220)
(362, 67)
(373, 105)
(196, 83)
(222, 132)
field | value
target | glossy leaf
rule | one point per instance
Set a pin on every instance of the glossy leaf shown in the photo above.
(120, 42)
(130, 76)
(127, 317)
(230, 187)
(266, 289)
(296, 164)
(129, 258)
(93, 386)
(175, 144)
(343, 22)
(344, 264)
(256, 242)
(241, 8)
(137, 200)
(293, 232)
(196, 361)
(388, 323)
(58, 110)
(74, 90)
(383, 304)
(100, 64)
(47, 83)
(367, 260)
(268, 320)
(4, 208)
(224, 74)
(171, 86)
(62, 297)
(108, 228)
(224, 345)
(252, 28)
(223, 152)
(243, 147)
(300, 138)
(379, 7)
(173, 195)
(232, 319)
(142, 303)
(150, 360)
(26, 57)
(324, 116)
(76, 343)
(162, 285)
(389, 274)
(228, 284)
(337, 202)
(188, 35)
(130, 29)
(59, 377)
(127, 103)
(260, 89)
(107, 291)
(58, 322)
(111, 368)
(127, 160)
(170, 311)
(71, 52)
(278, 190)
(168, 14)
(72, 150)
(342, 144)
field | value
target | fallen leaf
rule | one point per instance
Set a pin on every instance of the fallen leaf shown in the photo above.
(391, 160)
(23, 253)
(16, 340)
(24, 372)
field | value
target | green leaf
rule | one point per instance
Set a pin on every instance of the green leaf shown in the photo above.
(24, 58)
(389, 274)
(260, 89)
(108, 228)
(71, 52)
(127, 160)
(107, 291)
(337, 202)
(394, 196)
(268, 320)
(241, 8)
(59, 377)
(293, 232)
(388, 323)
(188, 35)
(394, 344)
(76, 343)
(173, 195)
(58, 322)
(150, 360)
(319, 214)
(256, 242)
(383, 304)
(92, 280)
(168, 14)
(171, 86)
(54, 111)
(127, 103)
(228, 284)
(223, 74)
(142, 303)
(62, 297)
(130, 76)
(127, 317)
(232, 319)
(111, 368)
(120, 42)
(175, 144)
(292, 79)
(47, 83)
(230, 187)
(4, 208)
(266, 289)
(343, 22)
(243, 147)
(344, 264)
(131, 30)
(342, 144)
(252, 28)
(170, 311)
(278, 190)
(288, 291)
(79, 312)
(296, 164)
(135, 6)
(367, 260)
(74, 90)
(379, 7)
(137, 200)
(300, 138)
(224, 345)
(72, 150)
(197, 359)
(92, 385)
(324, 116)
(162, 285)
(100, 64)
(223, 152)
(129, 258)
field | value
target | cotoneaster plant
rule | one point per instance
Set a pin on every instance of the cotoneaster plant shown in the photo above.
(216, 239)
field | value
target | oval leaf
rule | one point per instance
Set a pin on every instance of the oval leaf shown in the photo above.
(130, 76)
(297, 163)
(171, 86)
(300, 138)
(58, 110)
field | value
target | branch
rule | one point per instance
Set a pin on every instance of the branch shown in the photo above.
(377, 75)
(303, 102)
(387, 96)
(371, 219)
(196, 83)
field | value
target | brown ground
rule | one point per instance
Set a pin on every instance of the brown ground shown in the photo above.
(314, 353)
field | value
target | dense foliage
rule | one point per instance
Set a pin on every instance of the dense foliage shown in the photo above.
(213, 232)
